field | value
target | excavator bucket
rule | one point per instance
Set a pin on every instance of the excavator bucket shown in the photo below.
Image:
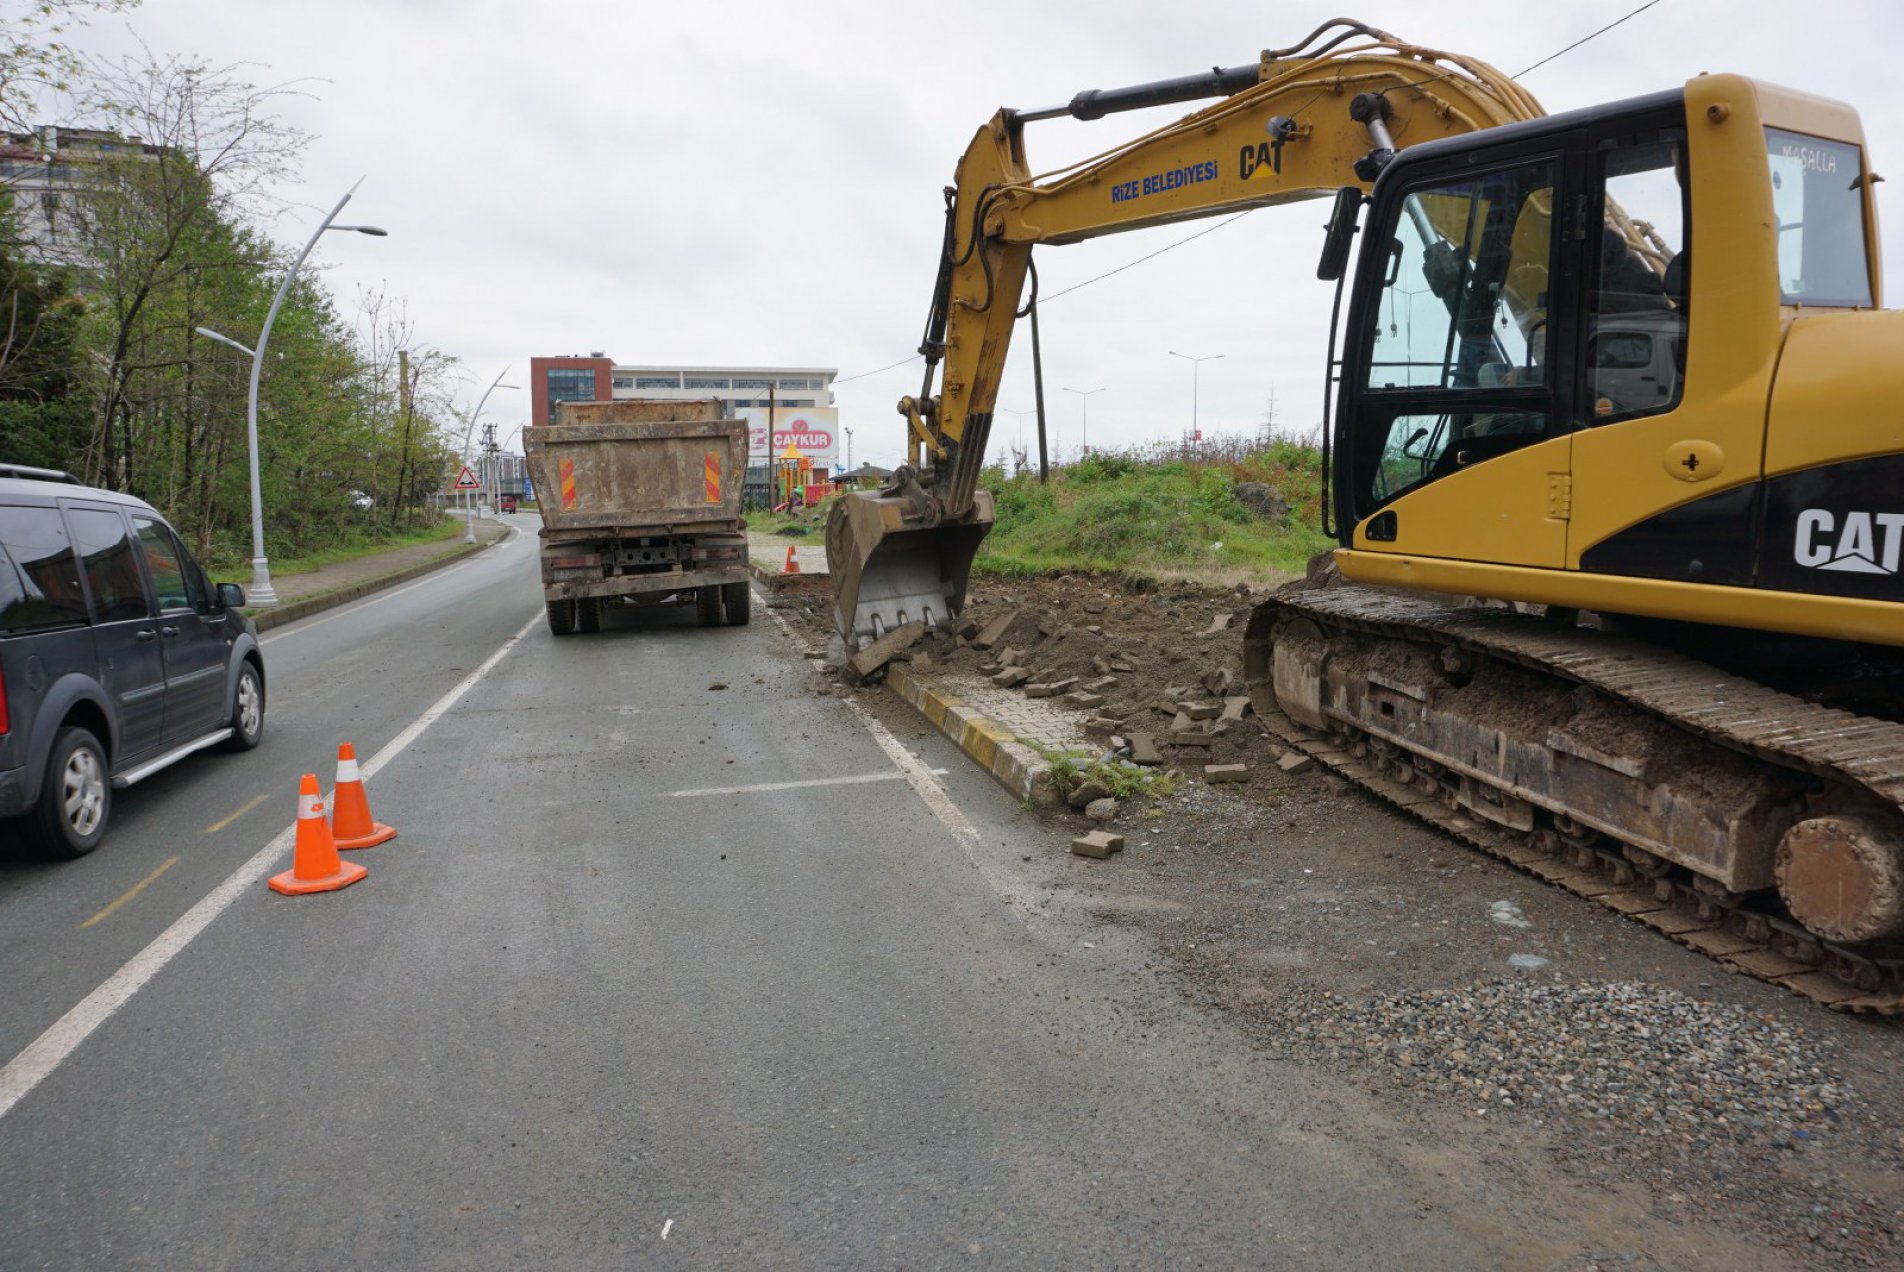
(889, 568)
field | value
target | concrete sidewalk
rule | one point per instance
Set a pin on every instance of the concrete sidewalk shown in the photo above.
(310, 591)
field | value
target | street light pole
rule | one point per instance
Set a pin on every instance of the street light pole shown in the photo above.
(1084, 400)
(469, 522)
(261, 592)
(1196, 365)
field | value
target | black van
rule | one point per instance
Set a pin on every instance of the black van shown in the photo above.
(116, 657)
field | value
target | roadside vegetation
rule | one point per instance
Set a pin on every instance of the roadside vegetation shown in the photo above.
(1165, 510)
(158, 228)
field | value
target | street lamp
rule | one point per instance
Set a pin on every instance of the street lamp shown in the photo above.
(1084, 396)
(469, 524)
(1196, 365)
(261, 592)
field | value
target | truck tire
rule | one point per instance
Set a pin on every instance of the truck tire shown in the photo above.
(738, 600)
(561, 617)
(588, 614)
(75, 797)
(707, 605)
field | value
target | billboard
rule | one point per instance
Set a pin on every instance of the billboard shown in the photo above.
(813, 430)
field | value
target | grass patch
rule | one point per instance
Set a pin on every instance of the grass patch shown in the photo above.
(1157, 514)
(366, 542)
(1125, 781)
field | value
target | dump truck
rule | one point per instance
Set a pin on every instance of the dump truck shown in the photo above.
(640, 503)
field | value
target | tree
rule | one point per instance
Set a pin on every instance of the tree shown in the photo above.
(33, 57)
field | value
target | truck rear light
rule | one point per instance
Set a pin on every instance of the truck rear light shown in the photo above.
(3, 700)
(588, 561)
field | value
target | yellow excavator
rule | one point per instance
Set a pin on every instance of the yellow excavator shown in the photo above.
(1623, 372)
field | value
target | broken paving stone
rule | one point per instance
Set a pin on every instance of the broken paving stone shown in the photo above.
(1009, 657)
(1191, 737)
(1099, 844)
(921, 661)
(990, 634)
(967, 628)
(1085, 792)
(1051, 688)
(1144, 750)
(1119, 742)
(1101, 810)
(1226, 772)
(1175, 694)
(1201, 710)
(1295, 762)
(1100, 726)
(1099, 685)
(1218, 682)
(1099, 665)
(1233, 709)
(1220, 623)
(884, 650)
(1012, 677)
(1118, 664)
(1181, 723)
(1086, 700)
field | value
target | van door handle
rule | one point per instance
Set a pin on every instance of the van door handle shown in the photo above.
(168, 631)
(148, 634)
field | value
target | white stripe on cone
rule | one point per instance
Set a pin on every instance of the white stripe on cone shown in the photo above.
(347, 772)
(309, 806)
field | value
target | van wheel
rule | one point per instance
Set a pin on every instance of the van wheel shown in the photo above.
(76, 797)
(588, 614)
(707, 605)
(561, 617)
(738, 600)
(247, 711)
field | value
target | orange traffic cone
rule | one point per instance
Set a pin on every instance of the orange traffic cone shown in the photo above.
(352, 826)
(315, 867)
(793, 562)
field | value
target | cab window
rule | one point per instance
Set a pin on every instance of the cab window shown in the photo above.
(1639, 300)
(1459, 343)
(1818, 196)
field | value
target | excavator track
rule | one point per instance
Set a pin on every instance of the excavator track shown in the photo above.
(1840, 759)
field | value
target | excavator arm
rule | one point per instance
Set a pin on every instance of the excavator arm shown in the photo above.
(1302, 122)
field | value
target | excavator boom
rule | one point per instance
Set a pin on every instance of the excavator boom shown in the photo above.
(1301, 123)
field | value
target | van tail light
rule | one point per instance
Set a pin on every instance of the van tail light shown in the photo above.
(3, 700)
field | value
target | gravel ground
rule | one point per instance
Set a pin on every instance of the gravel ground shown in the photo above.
(1462, 996)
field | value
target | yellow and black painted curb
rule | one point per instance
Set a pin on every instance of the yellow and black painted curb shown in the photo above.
(1018, 768)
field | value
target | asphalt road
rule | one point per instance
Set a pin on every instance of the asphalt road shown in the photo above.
(656, 973)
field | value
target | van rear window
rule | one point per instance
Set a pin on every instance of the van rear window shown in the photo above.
(39, 578)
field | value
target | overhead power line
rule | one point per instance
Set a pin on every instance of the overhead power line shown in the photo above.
(1231, 220)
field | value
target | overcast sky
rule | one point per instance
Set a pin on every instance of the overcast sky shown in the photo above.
(729, 182)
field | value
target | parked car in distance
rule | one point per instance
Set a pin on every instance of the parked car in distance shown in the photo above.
(506, 503)
(117, 657)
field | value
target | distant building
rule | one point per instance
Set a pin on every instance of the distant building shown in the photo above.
(44, 170)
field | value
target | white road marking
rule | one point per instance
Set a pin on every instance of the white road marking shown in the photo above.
(46, 1053)
(927, 786)
(793, 786)
(378, 598)
(666, 1228)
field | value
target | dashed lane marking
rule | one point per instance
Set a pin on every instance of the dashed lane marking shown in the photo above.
(131, 892)
(47, 1052)
(223, 822)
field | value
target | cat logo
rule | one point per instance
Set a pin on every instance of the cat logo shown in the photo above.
(1867, 543)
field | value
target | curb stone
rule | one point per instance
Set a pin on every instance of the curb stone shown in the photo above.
(1017, 767)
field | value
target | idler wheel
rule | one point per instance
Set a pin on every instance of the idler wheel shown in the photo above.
(1842, 876)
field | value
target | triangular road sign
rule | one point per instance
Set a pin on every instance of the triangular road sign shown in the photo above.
(467, 481)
